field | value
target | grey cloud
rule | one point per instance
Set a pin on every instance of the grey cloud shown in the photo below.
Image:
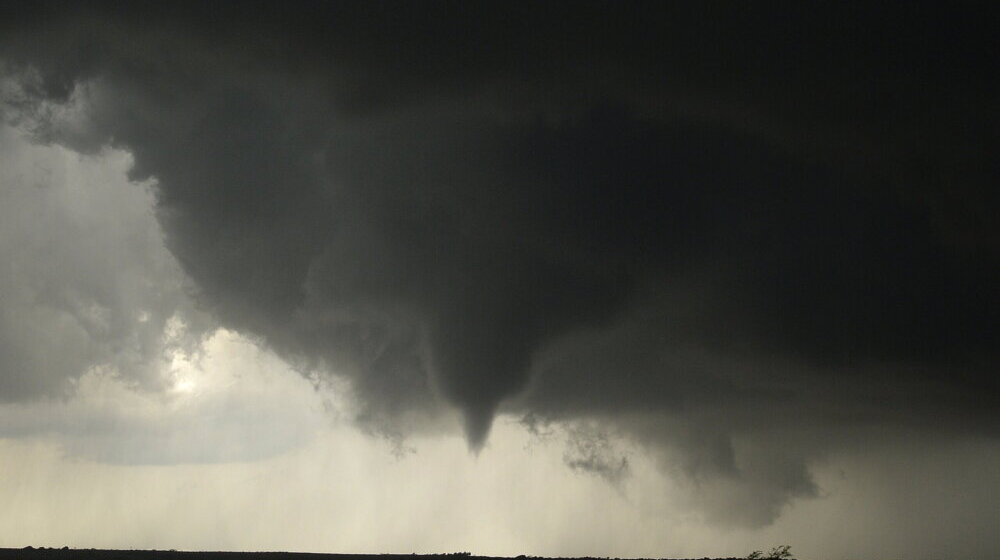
(211, 430)
(591, 450)
(230, 402)
(86, 280)
(481, 208)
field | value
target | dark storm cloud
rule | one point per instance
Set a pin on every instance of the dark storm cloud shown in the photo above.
(696, 226)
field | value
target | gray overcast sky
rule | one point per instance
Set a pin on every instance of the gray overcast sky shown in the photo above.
(606, 279)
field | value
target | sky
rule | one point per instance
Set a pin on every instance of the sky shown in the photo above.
(609, 279)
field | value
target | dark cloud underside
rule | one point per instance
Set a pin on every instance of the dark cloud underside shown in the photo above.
(629, 212)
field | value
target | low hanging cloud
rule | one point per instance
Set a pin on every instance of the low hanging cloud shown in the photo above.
(528, 211)
(591, 450)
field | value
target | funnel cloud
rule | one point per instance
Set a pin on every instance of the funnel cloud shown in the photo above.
(742, 237)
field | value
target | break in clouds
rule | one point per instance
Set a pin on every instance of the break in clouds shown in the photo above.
(737, 247)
